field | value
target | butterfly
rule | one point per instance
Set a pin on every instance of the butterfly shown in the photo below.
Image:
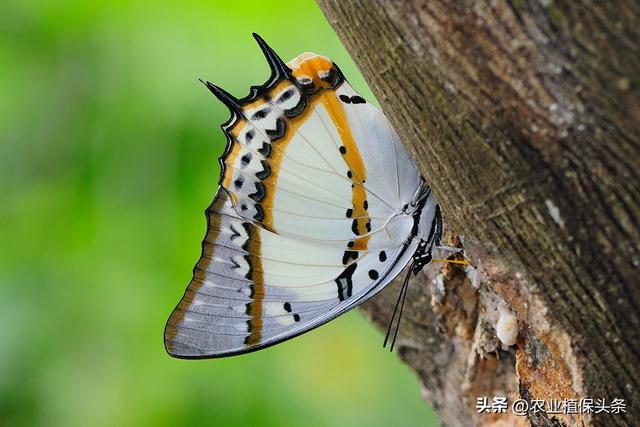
(318, 208)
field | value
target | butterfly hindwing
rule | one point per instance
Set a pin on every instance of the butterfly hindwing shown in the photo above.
(252, 287)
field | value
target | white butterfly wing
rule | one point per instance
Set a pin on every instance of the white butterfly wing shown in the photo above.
(253, 288)
(307, 222)
(391, 173)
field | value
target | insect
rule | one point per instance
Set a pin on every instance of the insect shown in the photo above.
(318, 208)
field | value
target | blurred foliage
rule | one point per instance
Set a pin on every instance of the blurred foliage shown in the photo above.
(108, 158)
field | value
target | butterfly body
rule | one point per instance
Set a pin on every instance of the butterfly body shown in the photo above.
(318, 208)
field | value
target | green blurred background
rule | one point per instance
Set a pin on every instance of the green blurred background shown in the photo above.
(108, 158)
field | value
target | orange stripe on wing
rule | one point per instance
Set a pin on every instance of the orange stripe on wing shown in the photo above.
(275, 160)
(357, 172)
(256, 304)
(354, 162)
(358, 175)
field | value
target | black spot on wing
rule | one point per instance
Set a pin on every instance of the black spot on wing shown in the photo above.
(298, 109)
(354, 227)
(260, 114)
(265, 150)
(245, 160)
(247, 230)
(348, 256)
(345, 282)
(259, 215)
(260, 193)
(306, 84)
(238, 182)
(285, 95)
(373, 274)
(329, 76)
(266, 170)
(352, 99)
(234, 233)
(249, 274)
(235, 265)
(278, 132)
(382, 256)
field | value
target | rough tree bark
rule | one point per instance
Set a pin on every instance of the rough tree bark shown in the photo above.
(524, 117)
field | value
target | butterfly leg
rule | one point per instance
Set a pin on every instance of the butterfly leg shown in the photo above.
(441, 253)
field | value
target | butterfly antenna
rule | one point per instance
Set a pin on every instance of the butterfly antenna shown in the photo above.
(404, 296)
(400, 299)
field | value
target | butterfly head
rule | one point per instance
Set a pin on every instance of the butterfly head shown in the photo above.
(427, 217)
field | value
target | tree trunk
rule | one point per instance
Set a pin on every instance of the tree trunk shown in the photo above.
(524, 117)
